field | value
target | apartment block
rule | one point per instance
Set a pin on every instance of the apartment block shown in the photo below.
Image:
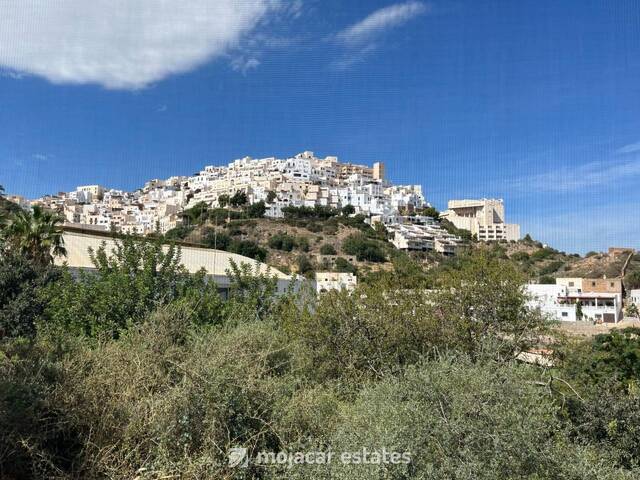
(484, 218)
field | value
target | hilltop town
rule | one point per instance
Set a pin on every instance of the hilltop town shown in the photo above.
(302, 181)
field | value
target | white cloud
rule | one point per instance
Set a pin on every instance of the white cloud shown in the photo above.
(632, 148)
(121, 44)
(243, 64)
(367, 29)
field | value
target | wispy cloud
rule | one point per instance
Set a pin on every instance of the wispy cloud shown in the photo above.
(573, 178)
(41, 156)
(243, 64)
(125, 44)
(631, 148)
(379, 21)
(362, 38)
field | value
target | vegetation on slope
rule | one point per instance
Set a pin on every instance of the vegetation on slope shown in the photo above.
(141, 371)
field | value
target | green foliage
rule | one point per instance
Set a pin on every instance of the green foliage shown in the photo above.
(238, 199)
(430, 212)
(632, 280)
(328, 249)
(256, 210)
(343, 265)
(315, 212)
(609, 356)
(484, 308)
(364, 248)
(371, 333)
(139, 370)
(271, 196)
(22, 302)
(248, 248)
(552, 267)
(223, 200)
(180, 232)
(606, 413)
(460, 232)
(214, 238)
(459, 421)
(542, 254)
(348, 210)
(129, 281)
(520, 256)
(282, 241)
(591, 254)
(35, 235)
(196, 214)
(304, 265)
(303, 243)
(547, 280)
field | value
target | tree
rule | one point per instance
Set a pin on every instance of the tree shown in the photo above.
(431, 212)
(22, 302)
(348, 210)
(223, 200)
(633, 311)
(239, 199)
(484, 309)
(130, 279)
(578, 310)
(35, 234)
(271, 196)
(256, 210)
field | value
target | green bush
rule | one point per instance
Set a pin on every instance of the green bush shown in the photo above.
(328, 249)
(363, 248)
(282, 241)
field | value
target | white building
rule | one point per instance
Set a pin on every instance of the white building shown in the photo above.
(216, 263)
(634, 297)
(483, 218)
(419, 233)
(326, 281)
(558, 303)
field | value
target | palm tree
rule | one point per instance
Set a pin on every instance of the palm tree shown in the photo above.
(35, 234)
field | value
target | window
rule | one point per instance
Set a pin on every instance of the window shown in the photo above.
(565, 314)
(571, 284)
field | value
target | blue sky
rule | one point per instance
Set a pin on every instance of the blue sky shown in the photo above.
(536, 102)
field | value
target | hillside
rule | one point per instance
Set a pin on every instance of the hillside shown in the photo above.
(311, 239)
(544, 264)
(306, 241)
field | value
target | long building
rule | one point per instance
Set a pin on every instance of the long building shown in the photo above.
(216, 263)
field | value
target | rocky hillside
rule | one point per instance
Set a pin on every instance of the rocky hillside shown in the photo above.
(543, 264)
